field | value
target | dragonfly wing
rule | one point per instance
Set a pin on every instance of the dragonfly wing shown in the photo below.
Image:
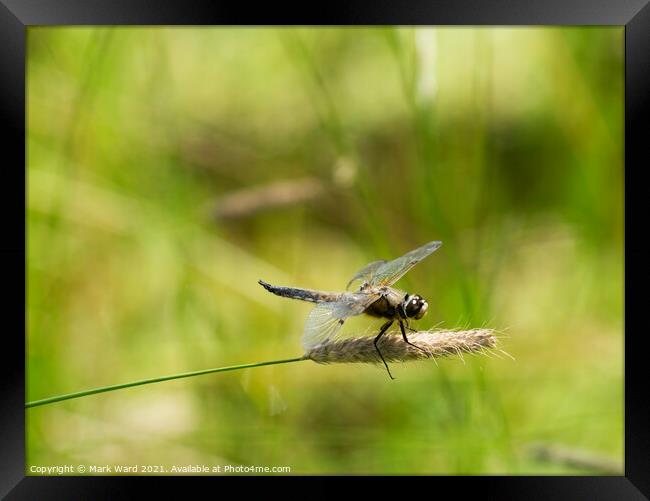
(366, 272)
(326, 319)
(392, 271)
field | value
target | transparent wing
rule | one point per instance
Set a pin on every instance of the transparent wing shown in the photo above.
(326, 319)
(392, 271)
(366, 272)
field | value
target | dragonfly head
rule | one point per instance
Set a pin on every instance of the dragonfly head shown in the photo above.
(415, 306)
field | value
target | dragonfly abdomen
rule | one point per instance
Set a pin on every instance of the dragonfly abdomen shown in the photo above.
(302, 294)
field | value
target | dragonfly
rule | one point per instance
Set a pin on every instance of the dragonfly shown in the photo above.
(374, 296)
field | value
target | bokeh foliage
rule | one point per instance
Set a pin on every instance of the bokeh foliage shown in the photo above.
(504, 143)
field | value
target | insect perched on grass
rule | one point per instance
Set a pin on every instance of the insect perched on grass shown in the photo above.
(375, 297)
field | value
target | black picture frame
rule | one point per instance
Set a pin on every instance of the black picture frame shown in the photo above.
(17, 15)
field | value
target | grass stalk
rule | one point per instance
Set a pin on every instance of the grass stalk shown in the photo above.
(78, 394)
(427, 345)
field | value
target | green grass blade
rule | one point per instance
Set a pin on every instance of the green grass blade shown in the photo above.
(68, 396)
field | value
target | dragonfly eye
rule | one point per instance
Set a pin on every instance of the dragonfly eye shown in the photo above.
(423, 309)
(415, 307)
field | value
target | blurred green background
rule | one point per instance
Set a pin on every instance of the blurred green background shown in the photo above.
(171, 168)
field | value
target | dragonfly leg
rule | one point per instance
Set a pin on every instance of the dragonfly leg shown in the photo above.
(409, 327)
(382, 331)
(401, 326)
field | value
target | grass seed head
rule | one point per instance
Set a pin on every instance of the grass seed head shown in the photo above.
(434, 344)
